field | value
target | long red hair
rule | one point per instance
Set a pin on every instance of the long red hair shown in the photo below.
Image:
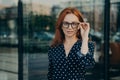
(59, 35)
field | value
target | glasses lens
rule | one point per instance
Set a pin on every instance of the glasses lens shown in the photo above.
(74, 24)
(65, 24)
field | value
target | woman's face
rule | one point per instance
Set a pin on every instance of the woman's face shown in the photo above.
(70, 25)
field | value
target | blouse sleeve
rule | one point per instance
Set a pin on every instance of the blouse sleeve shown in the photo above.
(50, 72)
(88, 59)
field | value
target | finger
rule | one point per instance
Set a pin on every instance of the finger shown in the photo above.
(88, 26)
(81, 27)
(84, 25)
(81, 30)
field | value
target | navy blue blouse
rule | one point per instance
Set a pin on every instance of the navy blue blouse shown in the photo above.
(72, 67)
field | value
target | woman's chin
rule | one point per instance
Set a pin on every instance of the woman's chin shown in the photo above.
(69, 35)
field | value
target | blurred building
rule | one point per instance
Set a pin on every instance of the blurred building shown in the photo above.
(2, 11)
(36, 9)
(9, 13)
(93, 12)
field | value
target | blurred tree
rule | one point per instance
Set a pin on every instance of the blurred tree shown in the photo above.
(4, 25)
(40, 22)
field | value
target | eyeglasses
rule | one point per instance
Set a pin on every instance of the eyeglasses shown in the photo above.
(73, 24)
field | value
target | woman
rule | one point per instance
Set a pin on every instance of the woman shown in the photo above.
(70, 53)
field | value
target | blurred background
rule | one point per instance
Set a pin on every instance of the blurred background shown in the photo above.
(38, 28)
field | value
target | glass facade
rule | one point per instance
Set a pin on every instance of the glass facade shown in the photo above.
(8, 42)
(38, 31)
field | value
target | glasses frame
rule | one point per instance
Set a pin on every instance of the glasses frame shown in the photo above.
(68, 24)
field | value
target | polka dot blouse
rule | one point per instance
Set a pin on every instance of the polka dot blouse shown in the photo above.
(72, 67)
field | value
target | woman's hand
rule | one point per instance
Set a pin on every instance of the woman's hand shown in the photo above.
(84, 28)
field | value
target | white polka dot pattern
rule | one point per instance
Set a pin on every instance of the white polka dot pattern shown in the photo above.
(72, 67)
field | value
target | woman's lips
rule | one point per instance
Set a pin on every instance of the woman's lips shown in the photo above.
(69, 31)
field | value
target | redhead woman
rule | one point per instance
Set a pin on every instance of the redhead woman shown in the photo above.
(70, 53)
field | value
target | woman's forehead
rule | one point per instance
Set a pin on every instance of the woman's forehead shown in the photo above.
(71, 17)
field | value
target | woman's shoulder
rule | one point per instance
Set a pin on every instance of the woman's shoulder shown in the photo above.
(53, 49)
